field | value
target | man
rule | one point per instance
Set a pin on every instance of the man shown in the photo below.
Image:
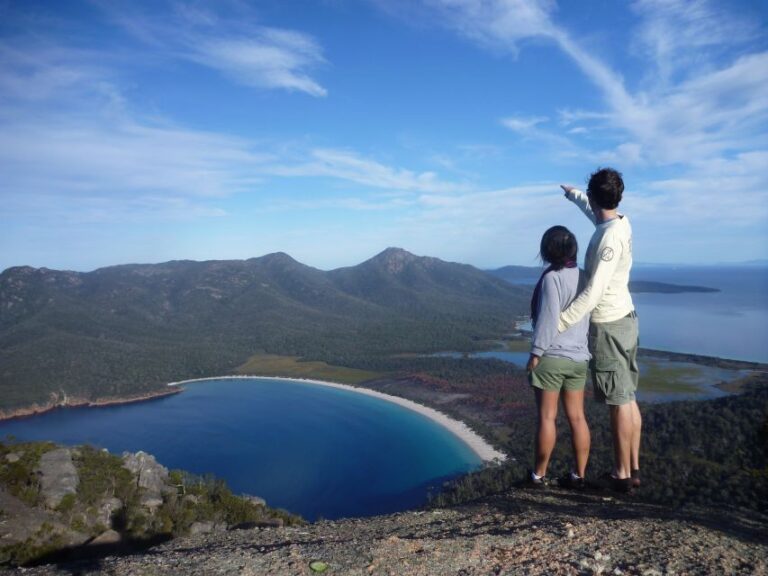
(613, 331)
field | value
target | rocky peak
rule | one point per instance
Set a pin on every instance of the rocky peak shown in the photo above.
(394, 260)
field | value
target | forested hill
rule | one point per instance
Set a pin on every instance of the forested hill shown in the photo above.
(126, 330)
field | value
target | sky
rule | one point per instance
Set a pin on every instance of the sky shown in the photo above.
(146, 131)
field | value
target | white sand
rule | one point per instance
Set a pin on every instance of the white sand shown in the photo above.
(478, 445)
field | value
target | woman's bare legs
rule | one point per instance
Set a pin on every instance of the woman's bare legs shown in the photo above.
(573, 403)
(547, 431)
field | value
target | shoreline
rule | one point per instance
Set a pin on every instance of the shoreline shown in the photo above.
(487, 453)
(39, 409)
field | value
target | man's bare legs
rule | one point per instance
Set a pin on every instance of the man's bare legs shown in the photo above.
(626, 425)
(573, 402)
(637, 426)
(547, 433)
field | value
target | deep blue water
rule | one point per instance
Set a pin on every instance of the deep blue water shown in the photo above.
(732, 323)
(316, 451)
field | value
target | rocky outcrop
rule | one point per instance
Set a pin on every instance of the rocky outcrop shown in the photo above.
(151, 477)
(58, 476)
(59, 502)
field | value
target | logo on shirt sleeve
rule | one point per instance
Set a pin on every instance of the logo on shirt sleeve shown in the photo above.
(606, 254)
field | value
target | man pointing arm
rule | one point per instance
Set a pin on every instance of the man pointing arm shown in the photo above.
(613, 330)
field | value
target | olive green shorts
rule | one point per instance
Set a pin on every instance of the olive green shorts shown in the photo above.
(554, 374)
(614, 360)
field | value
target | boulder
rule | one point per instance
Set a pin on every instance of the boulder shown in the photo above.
(201, 528)
(58, 476)
(151, 477)
(254, 500)
(107, 537)
(106, 510)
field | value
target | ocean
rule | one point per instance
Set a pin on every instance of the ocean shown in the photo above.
(315, 451)
(732, 323)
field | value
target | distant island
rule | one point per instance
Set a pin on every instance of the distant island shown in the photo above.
(528, 275)
(641, 286)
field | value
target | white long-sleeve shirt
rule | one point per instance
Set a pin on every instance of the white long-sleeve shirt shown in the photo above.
(607, 264)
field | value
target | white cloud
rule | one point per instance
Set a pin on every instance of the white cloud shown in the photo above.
(497, 24)
(719, 108)
(253, 55)
(679, 37)
(523, 125)
(350, 166)
(275, 59)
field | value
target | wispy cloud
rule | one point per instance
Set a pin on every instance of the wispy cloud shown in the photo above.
(228, 42)
(274, 59)
(350, 166)
(681, 37)
(521, 124)
(715, 109)
(497, 24)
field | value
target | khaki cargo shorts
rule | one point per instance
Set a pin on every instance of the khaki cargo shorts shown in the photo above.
(553, 374)
(614, 360)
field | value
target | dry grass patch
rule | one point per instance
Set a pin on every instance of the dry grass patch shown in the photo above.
(295, 367)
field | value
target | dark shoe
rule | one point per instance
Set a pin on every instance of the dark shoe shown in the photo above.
(538, 483)
(622, 485)
(568, 481)
(636, 478)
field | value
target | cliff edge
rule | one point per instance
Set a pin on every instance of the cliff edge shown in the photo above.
(520, 531)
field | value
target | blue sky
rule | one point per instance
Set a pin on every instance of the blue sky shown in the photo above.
(331, 129)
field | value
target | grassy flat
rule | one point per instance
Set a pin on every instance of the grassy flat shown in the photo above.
(674, 379)
(518, 345)
(294, 367)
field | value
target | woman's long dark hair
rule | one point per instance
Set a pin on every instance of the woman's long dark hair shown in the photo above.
(558, 249)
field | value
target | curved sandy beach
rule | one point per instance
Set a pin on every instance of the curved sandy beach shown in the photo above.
(479, 446)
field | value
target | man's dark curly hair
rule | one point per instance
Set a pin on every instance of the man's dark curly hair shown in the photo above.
(606, 187)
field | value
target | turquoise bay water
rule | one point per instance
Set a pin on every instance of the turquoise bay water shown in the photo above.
(315, 451)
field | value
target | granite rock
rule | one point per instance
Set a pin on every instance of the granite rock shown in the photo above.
(58, 476)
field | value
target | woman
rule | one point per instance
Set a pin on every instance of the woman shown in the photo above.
(558, 362)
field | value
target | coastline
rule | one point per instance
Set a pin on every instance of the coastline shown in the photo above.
(38, 409)
(486, 452)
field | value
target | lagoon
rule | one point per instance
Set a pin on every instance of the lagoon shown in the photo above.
(313, 450)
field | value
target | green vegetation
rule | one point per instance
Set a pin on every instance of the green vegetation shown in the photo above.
(46, 541)
(18, 477)
(711, 452)
(128, 330)
(208, 499)
(102, 479)
(294, 367)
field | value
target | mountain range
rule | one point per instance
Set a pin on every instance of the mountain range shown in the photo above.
(126, 330)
